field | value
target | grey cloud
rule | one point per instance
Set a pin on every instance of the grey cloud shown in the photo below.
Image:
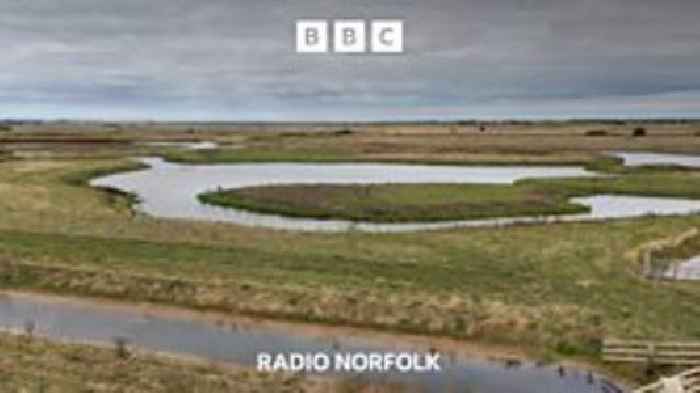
(234, 59)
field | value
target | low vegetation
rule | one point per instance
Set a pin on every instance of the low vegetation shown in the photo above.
(394, 203)
(31, 364)
(598, 133)
(554, 290)
(639, 132)
(435, 202)
(462, 145)
(688, 248)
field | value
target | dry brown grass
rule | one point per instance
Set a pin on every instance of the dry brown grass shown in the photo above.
(36, 365)
(555, 288)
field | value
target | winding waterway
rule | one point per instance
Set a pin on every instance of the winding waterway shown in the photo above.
(170, 190)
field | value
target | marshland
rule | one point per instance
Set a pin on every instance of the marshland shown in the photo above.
(548, 291)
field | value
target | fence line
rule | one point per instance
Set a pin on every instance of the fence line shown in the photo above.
(664, 353)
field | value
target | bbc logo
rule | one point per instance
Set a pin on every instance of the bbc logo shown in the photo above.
(350, 36)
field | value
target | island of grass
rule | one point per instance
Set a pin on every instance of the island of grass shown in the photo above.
(394, 203)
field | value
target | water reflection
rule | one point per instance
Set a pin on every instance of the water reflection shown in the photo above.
(647, 158)
(170, 190)
(220, 342)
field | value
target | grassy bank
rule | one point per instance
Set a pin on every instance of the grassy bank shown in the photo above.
(31, 364)
(552, 299)
(560, 288)
(501, 144)
(436, 202)
(82, 178)
(556, 290)
(394, 203)
(687, 249)
(275, 151)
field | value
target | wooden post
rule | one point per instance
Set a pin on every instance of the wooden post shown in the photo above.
(651, 350)
(676, 266)
(646, 264)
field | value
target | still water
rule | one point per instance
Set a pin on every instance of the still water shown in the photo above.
(239, 342)
(202, 145)
(634, 159)
(170, 190)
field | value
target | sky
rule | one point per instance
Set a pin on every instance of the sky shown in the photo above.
(236, 60)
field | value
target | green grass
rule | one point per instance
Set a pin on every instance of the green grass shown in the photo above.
(687, 249)
(394, 203)
(541, 288)
(112, 195)
(32, 364)
(662, 182)
(553, 289)
(436, 202)
(275, 153)
(251, 155)
(82, 178)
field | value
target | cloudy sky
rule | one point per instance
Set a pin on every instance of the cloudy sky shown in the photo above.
(235, 60)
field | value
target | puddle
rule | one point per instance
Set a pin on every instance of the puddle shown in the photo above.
(239, 342)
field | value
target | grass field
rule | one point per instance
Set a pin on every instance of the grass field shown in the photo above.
(554, 290)
(406, 203)
(394, 203)
(31, 364)
(454, 282)
(501, 143)
(687, 249)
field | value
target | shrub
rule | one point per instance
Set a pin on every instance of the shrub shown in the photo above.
(596, 133)
(639, 131)
(566, 348)
(114, 126)
(120, 347)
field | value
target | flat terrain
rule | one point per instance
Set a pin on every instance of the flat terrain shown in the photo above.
(499, 143)
(554, 290)
(429, 202)
(687, 249)
(35, 365)
(392, 203)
